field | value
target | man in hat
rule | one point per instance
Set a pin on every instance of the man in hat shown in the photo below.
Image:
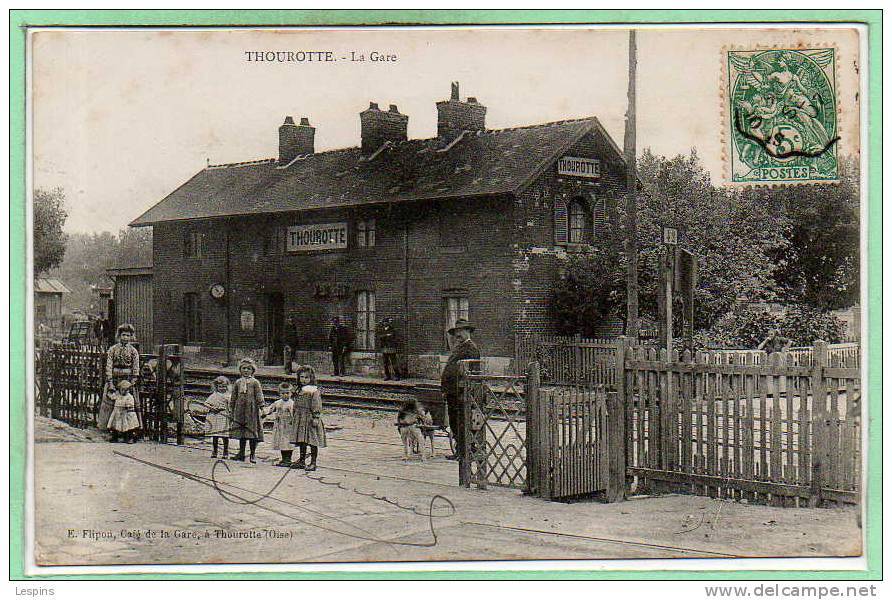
(463, 348)
(340, 340)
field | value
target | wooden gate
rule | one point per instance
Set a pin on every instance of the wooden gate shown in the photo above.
(495, 449)
(550, 441)
(70, 382)
(568, 439)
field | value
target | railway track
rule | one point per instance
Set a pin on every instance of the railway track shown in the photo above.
(336, 393)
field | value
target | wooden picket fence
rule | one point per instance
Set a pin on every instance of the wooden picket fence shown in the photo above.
(718, 425)
(568, 360)
(70, 381)
(847, 355)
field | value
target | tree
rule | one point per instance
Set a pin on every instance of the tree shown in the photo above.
(821, 266)
(736, 240)
(49, 239)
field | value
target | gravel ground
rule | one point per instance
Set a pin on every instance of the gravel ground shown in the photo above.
(99, 504)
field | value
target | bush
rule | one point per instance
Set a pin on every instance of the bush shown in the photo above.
(804, 324)
(746, 327)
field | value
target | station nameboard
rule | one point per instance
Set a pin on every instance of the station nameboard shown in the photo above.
(579, 167)
(320, 236)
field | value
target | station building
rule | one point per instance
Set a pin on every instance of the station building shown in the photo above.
(472, 223)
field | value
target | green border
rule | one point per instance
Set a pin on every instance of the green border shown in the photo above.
(20, 19)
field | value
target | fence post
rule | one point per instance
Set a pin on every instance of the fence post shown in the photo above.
(820, 429)
(534, 427)
(617, 442)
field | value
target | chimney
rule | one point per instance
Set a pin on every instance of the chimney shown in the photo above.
(455, 116)
(295, 140)
(379, 126)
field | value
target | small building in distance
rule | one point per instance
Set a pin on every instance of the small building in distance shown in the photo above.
(48, 301)
(132, 293)
(474, 223)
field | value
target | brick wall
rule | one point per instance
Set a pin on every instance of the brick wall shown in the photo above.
(538, 260)
(474, 263)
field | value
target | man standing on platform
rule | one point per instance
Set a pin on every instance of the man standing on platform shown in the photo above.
(292, 340)
(339, 342)
(463, 349)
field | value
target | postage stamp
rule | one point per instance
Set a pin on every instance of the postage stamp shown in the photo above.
(782, 122)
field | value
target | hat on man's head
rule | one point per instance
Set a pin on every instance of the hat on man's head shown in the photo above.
(286, 387)
(124, 385)
(461, 324)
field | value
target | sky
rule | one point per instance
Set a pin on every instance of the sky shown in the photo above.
(120, 118)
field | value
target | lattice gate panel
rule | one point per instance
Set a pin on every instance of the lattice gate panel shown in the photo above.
(496, 438)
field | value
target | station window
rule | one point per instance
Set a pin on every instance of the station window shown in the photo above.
(456, 308)
(365, 233)
(579, 222)
(365, 320)
(192, 244)
(192, 316)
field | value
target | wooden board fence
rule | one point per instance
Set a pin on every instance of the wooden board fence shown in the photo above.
(772, 432)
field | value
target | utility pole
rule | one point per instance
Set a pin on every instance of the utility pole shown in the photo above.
(632, 322)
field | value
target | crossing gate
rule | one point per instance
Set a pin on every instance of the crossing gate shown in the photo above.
(549, 441)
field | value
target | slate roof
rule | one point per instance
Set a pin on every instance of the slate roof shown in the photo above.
(50, 286)
(489, 162)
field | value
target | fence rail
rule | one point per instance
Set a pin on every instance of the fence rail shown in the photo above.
(775, 432)
(70, 383)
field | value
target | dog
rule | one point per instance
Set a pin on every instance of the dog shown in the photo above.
(409, 423)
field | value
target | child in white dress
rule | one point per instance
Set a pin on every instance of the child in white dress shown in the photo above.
(218, 415)
(123, 419)
(282, 411)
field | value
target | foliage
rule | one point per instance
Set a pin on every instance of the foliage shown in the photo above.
(795, 245)
(591, 289)
(735, 239)
(804, 324)
(49, 238)
(746, 326)
(821, 267)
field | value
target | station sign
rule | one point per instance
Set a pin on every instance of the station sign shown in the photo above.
(320, 236)
(579, 167)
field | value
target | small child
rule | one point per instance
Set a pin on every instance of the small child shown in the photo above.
(283, 423)
(308, 427)
(246, 404)
(407, 421)
(123, 419)
(218, 415)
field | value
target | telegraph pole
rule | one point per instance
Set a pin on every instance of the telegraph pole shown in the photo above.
(632, 323)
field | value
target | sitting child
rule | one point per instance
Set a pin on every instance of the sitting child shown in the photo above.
(407, 421)
(123, 420)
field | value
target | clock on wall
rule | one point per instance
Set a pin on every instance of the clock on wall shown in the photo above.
(218, 291)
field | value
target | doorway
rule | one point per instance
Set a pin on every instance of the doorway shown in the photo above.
(275, 318)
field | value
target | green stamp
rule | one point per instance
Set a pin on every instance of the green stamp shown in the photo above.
(782, 116)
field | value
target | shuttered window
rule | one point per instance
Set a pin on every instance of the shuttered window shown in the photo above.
(192, 244)
(580, 222)
(599, 215)
(365, 320)
(365, 233)
(560, 222)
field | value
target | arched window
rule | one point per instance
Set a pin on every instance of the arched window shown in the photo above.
(580, 222)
